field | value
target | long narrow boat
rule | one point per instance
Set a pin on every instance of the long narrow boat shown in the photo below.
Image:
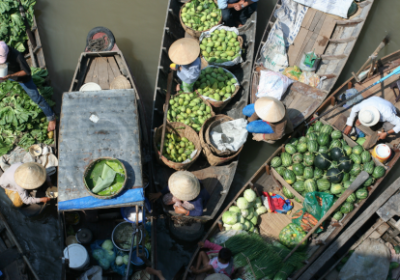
(331, 37)
(171, 32)
(267, 179)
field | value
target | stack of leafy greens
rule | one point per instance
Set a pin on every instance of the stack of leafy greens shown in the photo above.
(22, 122)
(106, 177)
(39, 76)
(12, 27)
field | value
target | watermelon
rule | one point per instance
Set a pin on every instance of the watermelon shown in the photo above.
(310, 185)
(334, 164)
(369, 181)
(323, 149)
(352, 178)
(338, 216)
(357, 150)
(336, 153)
(355, 158)
(345, 164)
(280, 170)
(346, 177)
(303, 139)
(336, 188)
(347, 207)
(335, 143)
(308, 172)
(351, 198)
(326, 129)
(308, 159)
(298, 169)
(365, 157)
(287, 193)
(355, 170)
(347, 150)
(286, 159)
(361, 193)
(312, 136)
(334, 175)
(302, 147)
(346, 184)
(369, 167)
(323, 184)
(276, 162)
(318, 125)
(322, 161)
(379, 172)
(299, 178)
(297, 157)
(289, 176)
(336, 134)
(312, 146)
(294, 141)
(310, 129)
(318, 173)
(323, 139)
(299, 186)
(290, 149)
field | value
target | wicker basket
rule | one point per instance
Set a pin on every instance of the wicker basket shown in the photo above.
(191, 31)
(240, 40)
(181, 130)
(213, 159)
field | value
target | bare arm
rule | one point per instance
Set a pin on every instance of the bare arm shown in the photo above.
(21, 73)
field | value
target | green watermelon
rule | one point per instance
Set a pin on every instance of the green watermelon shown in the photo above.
(347, 150)
(290, 149)
(303, 139)
(334, 175)
(334, 164)
(357, 150)
(336, 153)
(312, 136)
(369, 181)
(289, 176)
(302, 147)
(286, 159)
(365, 157)
(361, 193)
(323, 139)
(299, 178)
(297, 157)
(323, 149)
(312, 146)
(356, 169)
(322, 161)
(298, 169)
(326, 129)
(280, 170)
(347, 207)
(336, 134)
(287, 193)
(308, 159)
(308, 172)
(369, 167)
(335, 143)
(352, 178)
(299, 186)
(379, 172)
(318, 125)
(345, 164)
(338, 216)
(276, 162)
(310, 129)
(310, 185)
(346, 177)
(346, 184)
(318, 173)
(355, 158)
(323, 184)
(336, 188)
(351, 198)
(294, 141)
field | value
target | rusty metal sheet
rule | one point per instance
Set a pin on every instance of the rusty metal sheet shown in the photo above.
(81, 140)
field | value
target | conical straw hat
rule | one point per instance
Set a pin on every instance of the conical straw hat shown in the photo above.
(184, 185)
(184, 51)
(269, 109)
(217, 276)
(120, 82)
(30, 175)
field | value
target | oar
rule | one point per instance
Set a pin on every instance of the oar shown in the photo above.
(167, 98)
(395, 72)
(361, 178)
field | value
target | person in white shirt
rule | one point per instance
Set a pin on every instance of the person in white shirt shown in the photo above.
(373, 110)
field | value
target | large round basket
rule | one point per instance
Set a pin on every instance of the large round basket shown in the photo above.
(240, 40)
(212, 158)
(181, 130)
(191, 31)
(89, 168)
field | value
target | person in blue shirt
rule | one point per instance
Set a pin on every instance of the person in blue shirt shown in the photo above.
(185, 193)
(184, 53)
(236, 11)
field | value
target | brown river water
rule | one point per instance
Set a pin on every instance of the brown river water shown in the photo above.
(137, 26)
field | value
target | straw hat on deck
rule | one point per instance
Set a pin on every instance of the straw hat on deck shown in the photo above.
(184, 51)
(369, 116)
(184, 185)
(217, 276)
(30, 175)
(269, 109)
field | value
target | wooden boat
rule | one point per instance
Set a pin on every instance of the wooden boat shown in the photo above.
(329, 36)
(173, 31)
(267, 179)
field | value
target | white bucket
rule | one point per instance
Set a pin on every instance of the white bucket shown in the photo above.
(90, 87)
(77, 255)
(3, 70)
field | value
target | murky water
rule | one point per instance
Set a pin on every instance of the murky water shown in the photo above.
(137, 26)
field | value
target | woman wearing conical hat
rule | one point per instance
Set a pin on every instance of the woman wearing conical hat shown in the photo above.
(268, 120)
(21, 178)
(184, 53)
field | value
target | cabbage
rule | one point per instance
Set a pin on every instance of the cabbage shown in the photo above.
(234, 209)
(251, 229)
(126, 259)
(251, 215)
(254, 220)
(237, 226)
(227, 227)
(245, 213)
(242, 203)
(247, 225)
(229, 218)
(119, 260)
(258, 203)
(256, 231)
(107, 244)
(240, 219)
(261, 210)
(249, 195)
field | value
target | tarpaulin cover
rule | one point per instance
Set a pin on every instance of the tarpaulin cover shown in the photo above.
(98, 124)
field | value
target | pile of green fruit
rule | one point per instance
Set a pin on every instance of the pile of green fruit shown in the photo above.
(221, 46)
(216, 83)
(201, 15)
(189, 109)
(176, 148)
(323, 161)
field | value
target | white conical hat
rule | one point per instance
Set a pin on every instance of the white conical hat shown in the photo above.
(184, 185)
(269, 109)
(30, 175)
(369, 116)
(184, 51)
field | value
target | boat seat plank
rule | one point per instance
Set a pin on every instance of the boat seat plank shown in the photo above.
(323, 37)
(90, 73)
(102, 71)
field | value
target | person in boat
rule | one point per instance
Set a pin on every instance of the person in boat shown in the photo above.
(20, 178)
(370, 112)
(268, 120)
(184, 53)
(185, 193)
(236, 11)
(216, 260)
(19, 71)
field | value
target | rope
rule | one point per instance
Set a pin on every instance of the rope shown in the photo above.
(97, 45)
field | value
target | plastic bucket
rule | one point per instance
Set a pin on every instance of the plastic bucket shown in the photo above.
(382, 152)
(129, 213)
(3, 70)
(77, 255)
(90, 87)
(136, 261)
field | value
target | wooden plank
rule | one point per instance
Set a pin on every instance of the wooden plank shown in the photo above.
(323, 37)
(114, 66)
(123, 67)
(308, 18)
(307, 47)
(349, 232)
(379, 231)
(95, 78)
(295, 49)
(90, 73)
(110, 73)
(317, 28)
(285, 184)
(103, 73)
(316, 19)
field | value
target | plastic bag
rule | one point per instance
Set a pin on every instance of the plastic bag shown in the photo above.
(93, 273)
(120, 269)
(291, 235)
(103, 257)
(229, 135)
(317, 203)
(272, 84)
(292, 72)
(305, 220)
(310, 79)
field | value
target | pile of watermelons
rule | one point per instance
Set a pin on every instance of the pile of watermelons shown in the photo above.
(323, 161)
